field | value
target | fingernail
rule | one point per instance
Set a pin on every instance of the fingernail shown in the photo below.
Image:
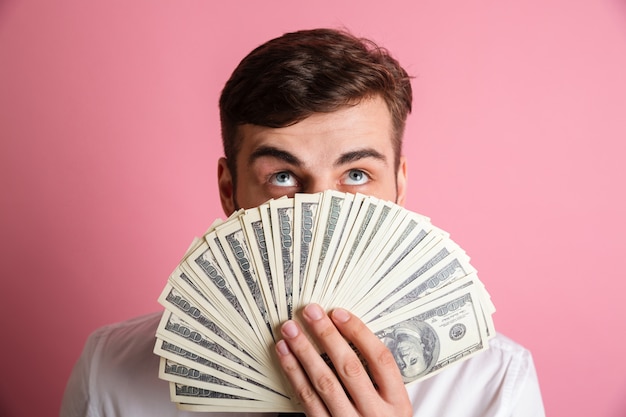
(282, 348)
(341, 315)
(289, 329)
(313, 312)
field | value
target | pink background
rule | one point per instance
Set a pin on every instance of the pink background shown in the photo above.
(109, 138)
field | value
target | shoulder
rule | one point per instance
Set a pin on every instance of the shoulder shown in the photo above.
(122, 353)
(507, 347)
(128, 343)
(494, 382)
(117, 371)
(505, 358)
(505, 364)
(128, 330)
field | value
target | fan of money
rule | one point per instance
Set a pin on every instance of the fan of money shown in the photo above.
(405, 278)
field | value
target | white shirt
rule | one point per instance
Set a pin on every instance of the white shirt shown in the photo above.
(117, 375)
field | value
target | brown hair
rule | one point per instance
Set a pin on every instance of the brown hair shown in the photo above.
(287, 79)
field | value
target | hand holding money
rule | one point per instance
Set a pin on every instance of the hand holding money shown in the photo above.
(320, 388)
(411, 285)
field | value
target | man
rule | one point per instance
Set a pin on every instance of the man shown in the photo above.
(306, 112)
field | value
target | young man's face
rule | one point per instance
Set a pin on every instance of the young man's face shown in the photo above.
(348, 150)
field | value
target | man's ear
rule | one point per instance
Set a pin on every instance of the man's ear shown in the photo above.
(226, 187)
(401, 180)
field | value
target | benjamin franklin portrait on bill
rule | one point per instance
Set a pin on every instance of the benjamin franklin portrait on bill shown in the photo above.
(415, 346)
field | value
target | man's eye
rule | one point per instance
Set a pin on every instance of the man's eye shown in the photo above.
(283, 179)
(356, 177)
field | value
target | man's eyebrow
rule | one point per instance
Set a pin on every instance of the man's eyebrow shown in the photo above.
(274, 153)
(348, 157)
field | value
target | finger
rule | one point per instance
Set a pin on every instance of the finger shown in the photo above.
(345, 361)
(381, 363)
(304, 391)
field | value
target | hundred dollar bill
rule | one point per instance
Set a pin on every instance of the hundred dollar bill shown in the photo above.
(411, 239)
(282, 216)
(215, 387)
(272, 256)
(414, 237)
(215, 283)
(262, 249)
(244, 408)
(187, 381)
(190, 398)
(181, 392)
(394, 229)
(462, 284)
(199, 403)
(333, 211)
(356, 271)
(436, 334)
(339, 242)
(210, 321)
(185, 282)
(451, 268)
(335, 243)
(381, 223)
(356, 243)
(183, 273)
(233, 240)
(411, 233)
(247, 381)
(229, 291)
(305, 219)
(442, 264)
(175, 330)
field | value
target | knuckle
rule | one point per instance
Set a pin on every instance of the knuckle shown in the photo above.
(326, 384)
(353, 368)
(385, 358)
(290, 367)
(326, 331)
(306, 395)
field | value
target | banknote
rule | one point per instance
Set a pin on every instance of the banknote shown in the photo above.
(215, 325)
(231, 378)
(334, 209)
(224, 303)
(213, 386)
(411, 273)
(337, 244)
(192, 398)
(233, 241)
(435, 334)
(262, 249)
(305, 222)
(412, 236)
(362, 226)
(282, 215)
(424, 281)
(202, 268)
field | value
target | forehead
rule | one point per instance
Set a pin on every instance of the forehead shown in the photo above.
(365, 124)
